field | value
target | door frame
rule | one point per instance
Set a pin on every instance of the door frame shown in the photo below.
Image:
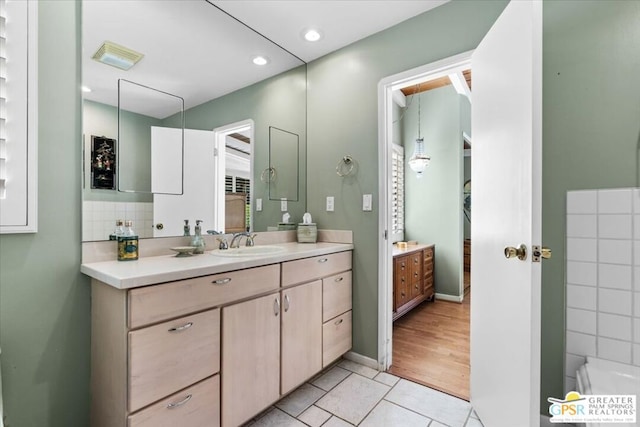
(386, 86)
(220, 133)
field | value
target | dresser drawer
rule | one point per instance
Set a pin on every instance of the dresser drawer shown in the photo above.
(196, 406)
(156, 303)
(171, 356)
(336, 338)
(308, 269)
(336, 295)
(428, 254)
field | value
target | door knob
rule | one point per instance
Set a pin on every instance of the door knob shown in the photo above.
(520, 252)
(159, 226)
(539, 252)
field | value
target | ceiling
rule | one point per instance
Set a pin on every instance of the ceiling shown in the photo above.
(195, 51)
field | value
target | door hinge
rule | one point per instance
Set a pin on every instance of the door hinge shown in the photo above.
(215, 152)
(385, 235)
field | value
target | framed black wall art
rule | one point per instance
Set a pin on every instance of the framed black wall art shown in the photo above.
(103, 163)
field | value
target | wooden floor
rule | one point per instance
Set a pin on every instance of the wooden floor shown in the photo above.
(431, 346)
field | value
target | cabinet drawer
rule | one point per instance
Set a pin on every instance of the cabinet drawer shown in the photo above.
(308, 269)
(196, 406)
(336, 338)
(172, 355)
(416, 289)
(336, 295)
(156, 303)
(415, 267)
(428, 254)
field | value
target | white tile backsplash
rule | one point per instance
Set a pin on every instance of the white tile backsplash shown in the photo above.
(614, 251)
(581, 321)
(615, 201)
(582, 202)
(614, 326)
(98, 218)
(603, 277)
(614, 276)
(615, 301)
(584, 297)
(609, 349)
(582, 273)
(582, 249)
(581, 344)
(614, 227)
(582, 226)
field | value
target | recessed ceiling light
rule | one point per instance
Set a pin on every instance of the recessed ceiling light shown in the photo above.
(312, 35)
(261, 60)
(86, 89)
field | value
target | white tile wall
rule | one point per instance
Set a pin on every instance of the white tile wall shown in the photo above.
(603, 278)
(99, 218)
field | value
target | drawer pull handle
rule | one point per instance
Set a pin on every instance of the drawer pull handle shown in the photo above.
(416, 286)
(339, 279)
(276, 307)
(402, 294)
(287, 303)
(182, 402)
(339, 322)
(222, 281)
(323, 260)
(181, 328)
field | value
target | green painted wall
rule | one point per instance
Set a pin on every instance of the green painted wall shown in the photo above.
(343, 119)
(278, 101)
(591, 134)
(44, 300)
(433, 203)
(102, 120)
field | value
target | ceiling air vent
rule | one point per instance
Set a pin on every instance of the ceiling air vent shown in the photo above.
(117, 56)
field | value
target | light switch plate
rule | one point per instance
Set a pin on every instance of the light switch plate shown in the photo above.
(330, 203)
(283, 205)
(367, 202)
(258, 205)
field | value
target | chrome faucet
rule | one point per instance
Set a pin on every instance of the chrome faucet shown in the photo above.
(238, 236)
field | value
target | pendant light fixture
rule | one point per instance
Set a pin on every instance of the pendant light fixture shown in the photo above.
(419, 160)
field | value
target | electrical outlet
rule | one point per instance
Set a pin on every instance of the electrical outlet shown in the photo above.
(367, 202)
(330, 203)
(283, 205)
(258, 205)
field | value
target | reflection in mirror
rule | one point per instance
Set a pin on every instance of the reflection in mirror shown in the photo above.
(220, 87)
(283, 165)
(137, 141)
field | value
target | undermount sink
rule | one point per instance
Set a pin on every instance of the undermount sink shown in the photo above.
(249, 251)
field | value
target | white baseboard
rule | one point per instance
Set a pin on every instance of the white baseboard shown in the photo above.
(363, 360)
(445, 297)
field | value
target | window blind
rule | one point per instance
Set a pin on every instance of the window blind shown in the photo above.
(397, 193)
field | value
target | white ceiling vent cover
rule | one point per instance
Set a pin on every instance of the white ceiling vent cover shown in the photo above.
(117, 56)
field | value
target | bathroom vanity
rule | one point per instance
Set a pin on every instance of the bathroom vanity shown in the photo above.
(213, 340)
(412, 277)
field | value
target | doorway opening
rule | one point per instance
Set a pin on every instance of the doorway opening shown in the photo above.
(234, 143)
(424, 295)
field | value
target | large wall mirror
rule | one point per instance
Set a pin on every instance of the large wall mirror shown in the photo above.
(195, 54)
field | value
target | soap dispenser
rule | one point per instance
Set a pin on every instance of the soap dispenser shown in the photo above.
(186, 228)
(198, 241)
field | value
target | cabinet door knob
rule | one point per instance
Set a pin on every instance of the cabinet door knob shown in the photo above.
(181, 328)
(182, 402)
(287, 303)
(416, 286)
(276, 307)
(339, 279)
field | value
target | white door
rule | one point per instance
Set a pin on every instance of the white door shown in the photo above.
(201, 181)
(506, 211)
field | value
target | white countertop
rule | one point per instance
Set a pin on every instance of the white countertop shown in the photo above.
(159, 269)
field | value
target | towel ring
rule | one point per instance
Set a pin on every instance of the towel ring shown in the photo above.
(268, 175)
(345, 166)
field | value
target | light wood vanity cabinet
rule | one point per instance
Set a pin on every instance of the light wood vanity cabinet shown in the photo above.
(412, 277)
(218, 349)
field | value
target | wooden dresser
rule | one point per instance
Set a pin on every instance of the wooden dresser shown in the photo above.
(412, 277)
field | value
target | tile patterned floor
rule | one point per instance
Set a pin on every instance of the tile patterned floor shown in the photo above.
(350, 394)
